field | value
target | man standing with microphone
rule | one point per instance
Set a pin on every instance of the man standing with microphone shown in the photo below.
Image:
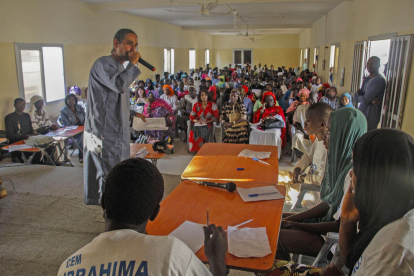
(106, 137)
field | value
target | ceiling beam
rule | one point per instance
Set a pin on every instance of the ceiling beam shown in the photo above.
(148, 4)
(231, 27)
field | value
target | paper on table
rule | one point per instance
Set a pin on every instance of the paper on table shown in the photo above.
(254, 154)
(190, 233)
(141, 153)
(244, 193)
(19, 147)
(149, 124)
(248, 242)
(70, 128)
(197, 124)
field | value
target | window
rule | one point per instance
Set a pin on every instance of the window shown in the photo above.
(192, 59)
(207, 56)
(301, 55)
(333, 63)
(316, 58)
(40, 71)
(242, 56)
(169, 60)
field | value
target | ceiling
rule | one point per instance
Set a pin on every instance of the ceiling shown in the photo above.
(262, 16)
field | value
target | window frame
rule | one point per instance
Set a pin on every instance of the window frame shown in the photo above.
(242, 56)
(205, 56)
(335, 66)
(37, 47)
(189, 58)
(172, 60)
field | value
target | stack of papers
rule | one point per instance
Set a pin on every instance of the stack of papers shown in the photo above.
(264, 193)
(70, 128)
(254, 154)
(149, 124)
(190, 233)
(248, 242)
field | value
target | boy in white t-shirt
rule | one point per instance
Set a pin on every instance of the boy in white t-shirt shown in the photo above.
(133, 192)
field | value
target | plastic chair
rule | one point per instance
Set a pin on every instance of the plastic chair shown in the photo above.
(222, 130)
(59, 121)
(212, 138)
(304, 188)
(331, 239)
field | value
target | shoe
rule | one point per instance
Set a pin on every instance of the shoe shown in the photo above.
(81, 160)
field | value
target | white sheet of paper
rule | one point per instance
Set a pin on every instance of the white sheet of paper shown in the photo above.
(19, 147)
(255, 154)
(244, 193)
(248, 242)
(197, 124)
(70, 128)
(141, 153)
(190, 233)
(150, 124)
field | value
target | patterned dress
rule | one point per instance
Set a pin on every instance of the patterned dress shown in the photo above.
(201, 133)
(238, 135)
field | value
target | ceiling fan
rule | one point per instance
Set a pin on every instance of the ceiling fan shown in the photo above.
(205, 9)
(253, 39)
(247, 33)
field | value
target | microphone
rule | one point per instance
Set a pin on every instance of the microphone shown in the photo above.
(230, 186)
(146, 64)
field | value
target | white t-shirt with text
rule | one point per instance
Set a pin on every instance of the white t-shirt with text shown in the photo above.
(127, 252)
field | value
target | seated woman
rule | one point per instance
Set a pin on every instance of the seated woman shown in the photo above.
(170, 98)
(269, 111)
(303, 99)
(204, 113)
(150, 87)
(73, 114)
(186, 106)
(234, 120)
(346, 101)
(40, 119)
(301, 233)
(181, 92)
(140, 96)
(158, 108)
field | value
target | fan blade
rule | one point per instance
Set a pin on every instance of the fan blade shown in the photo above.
(210, 6)
(193, 3)
(217, 13)
(182, 11)
(197, 18)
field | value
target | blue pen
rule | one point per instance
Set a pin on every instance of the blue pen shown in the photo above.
(258, 160)
(255, 195)
(240, 169)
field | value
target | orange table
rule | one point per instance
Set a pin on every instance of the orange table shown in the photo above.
(32, 150)
(189, 201)
(67, 134)
(217, 161)
(2, 140)
(153, 155)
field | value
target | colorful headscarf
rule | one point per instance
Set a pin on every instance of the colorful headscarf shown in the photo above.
(350, 100)
(304, 91)
(169, 88)
(326, 85)
(75, 90)
(299, 80)
(221, 82)
(268, 93)
(158, 103)
(246, 89)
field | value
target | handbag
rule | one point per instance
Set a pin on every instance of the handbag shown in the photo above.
(272, 123)
(234, 116)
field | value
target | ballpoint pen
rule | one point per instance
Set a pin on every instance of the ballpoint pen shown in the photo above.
(258, 160)
(254, 195)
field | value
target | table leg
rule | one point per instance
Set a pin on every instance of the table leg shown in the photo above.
(76, 143)
(66, 159)
(44, 152)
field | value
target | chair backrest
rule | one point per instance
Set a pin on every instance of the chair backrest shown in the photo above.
(59, 121)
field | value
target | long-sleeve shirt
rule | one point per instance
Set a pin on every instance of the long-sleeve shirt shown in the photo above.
(68, 118)
(41, 120)
(107, 122)
(316, 159)
(334, 104)
(18, 127)
(172, 101)
(248, 105)
(371, 88)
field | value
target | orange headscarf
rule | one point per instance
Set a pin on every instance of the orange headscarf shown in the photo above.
(169, 88)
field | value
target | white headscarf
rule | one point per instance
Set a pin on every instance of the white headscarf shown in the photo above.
(36, 98)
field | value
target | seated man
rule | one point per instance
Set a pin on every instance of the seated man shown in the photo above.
(18, 126)
(132, 196)
(331, 98)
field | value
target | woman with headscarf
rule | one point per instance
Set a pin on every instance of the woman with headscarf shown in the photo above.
(197, 82)
(204, 113)
(170, 97)
(269, 111)
(222, 82)
(73, 114)
(301, 233)
(158, 108)
(380, 204)
(234, 120)
(150, 87)
(234, 77)
(40, 119)
(346, 101)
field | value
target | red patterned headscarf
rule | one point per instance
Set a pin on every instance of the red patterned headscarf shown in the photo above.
(169, 88)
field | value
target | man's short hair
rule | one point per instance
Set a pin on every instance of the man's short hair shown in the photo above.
(321, 110)
(133, 190)
(120, 35)
(17, 100)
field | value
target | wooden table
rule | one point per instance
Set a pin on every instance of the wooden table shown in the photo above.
(153, 155)
(189, 201)
(218, 161)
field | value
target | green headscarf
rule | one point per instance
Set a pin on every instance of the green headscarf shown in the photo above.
(221, 82)
(347, 126)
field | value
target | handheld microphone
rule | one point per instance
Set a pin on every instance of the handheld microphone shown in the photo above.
(230, 186)
(146, 64)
